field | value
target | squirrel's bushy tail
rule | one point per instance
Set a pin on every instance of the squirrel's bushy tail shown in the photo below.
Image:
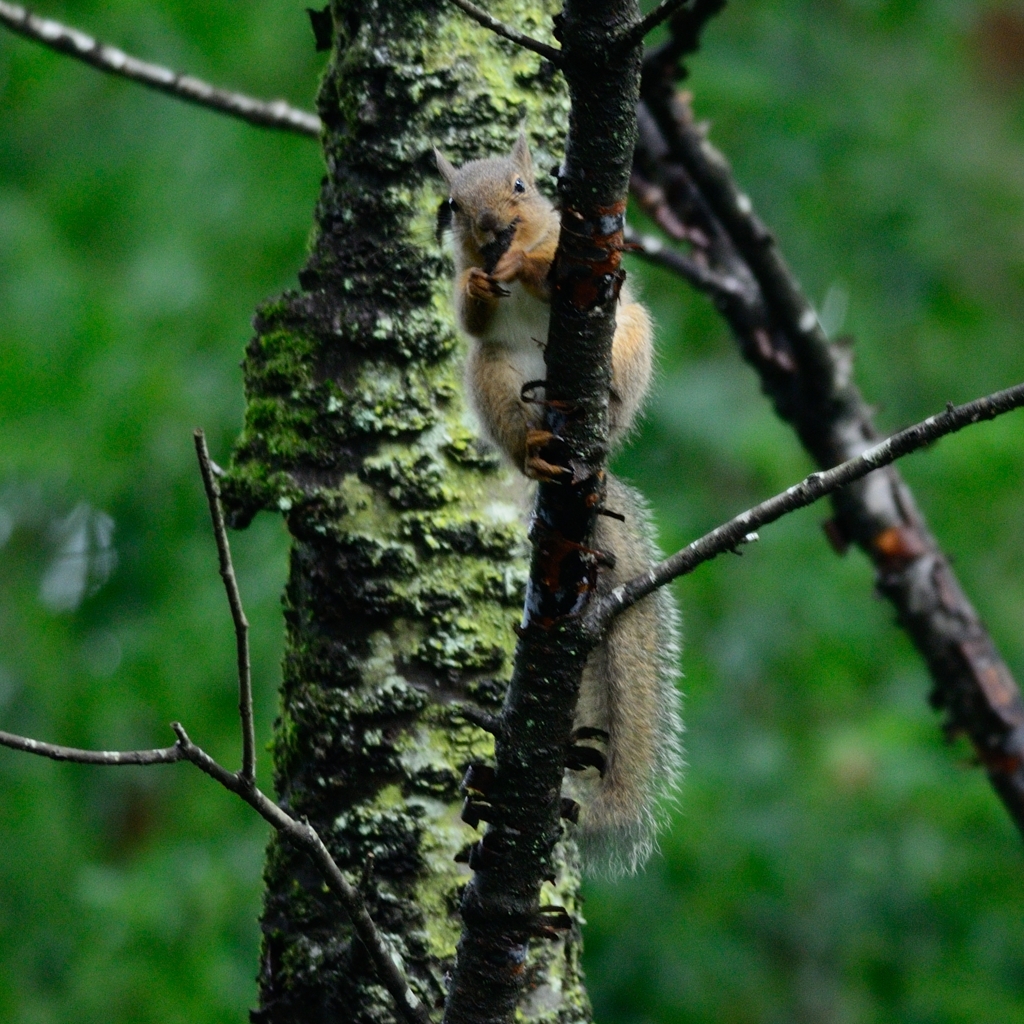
(629, 693)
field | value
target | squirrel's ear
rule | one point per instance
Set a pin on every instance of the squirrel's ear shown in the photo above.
(446, 169)
(521, 156)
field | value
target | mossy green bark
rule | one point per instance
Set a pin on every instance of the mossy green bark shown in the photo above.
(409, 554)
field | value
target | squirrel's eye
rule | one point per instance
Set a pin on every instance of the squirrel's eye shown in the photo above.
(453, 206)
(519, 186)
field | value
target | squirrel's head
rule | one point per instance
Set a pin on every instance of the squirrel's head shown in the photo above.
(488, 198)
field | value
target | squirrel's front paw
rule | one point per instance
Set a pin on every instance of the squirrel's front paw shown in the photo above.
(510, 266)
(481, 285)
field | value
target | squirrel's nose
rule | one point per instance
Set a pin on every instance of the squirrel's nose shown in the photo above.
(488, 221)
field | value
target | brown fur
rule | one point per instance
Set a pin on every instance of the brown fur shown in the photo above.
(628, 688)
(495, 384)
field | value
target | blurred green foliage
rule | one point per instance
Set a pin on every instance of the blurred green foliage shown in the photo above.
(832, 859)
(137, 235)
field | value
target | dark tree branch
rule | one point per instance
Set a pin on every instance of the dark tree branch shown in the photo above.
(501, 903)
(227, 574)
(730, 535)
(73, 43)
(507, 32)
(636, 32)
(685, 144)
(810, 383)
(162, 755)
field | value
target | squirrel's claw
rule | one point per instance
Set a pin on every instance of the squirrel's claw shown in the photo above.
(481, 285)
(478, 780)
(537, 469)
(551, 922)
(474, 811)
(536, 466)
(477, 785)
(582, 757)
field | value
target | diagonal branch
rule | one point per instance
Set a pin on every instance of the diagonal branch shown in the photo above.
(654, 251)
(809, 380)
(70, 41)
(227, 574)
(738, 530)
(507, 32)
(635, 33)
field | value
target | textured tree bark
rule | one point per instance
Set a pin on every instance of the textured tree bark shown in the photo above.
(408, 561)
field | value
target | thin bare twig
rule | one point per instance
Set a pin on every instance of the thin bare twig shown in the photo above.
(737, 531)
(298, 833)
(227, 574)
(73, 43)
(243, 783)
(507, 32)
(162, 755)
(686, 24)
(654, 251)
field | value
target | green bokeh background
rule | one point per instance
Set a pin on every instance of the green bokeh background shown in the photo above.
(832, 859)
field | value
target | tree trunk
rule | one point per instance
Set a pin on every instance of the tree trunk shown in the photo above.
(409, 555)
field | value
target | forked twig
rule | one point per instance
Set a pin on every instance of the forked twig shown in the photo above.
(243, 783)
(227, 574)
(507, 32)
(730, 535)
(298, 833)
(73, 43)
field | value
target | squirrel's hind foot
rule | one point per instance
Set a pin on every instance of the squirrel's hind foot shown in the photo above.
(536, 467)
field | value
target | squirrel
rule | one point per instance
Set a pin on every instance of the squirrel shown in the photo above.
(505, 234)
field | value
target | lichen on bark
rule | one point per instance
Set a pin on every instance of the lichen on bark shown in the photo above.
(408, 559)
